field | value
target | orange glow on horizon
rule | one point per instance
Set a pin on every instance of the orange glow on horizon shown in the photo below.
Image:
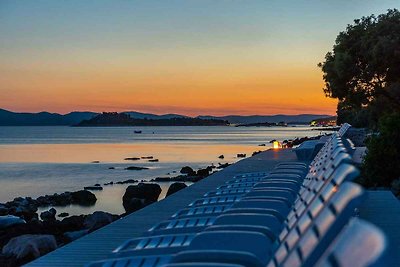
(220, 91)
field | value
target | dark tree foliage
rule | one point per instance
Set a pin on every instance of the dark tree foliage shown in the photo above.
(363, 70)
(382, 162)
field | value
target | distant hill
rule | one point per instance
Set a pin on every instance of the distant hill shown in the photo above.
(123, 119)
(139, 115)
(290, 119)
(9, 118)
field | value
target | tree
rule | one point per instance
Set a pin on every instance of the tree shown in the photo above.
(363, 70)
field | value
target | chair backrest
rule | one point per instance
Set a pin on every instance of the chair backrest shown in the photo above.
(327, 156)
(302, 247)
(313, 234)
(334, 177)
(342, 131)
(359, 244)
(250, 242)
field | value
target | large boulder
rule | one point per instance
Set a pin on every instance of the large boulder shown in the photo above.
(84, 198)
(22, 207)
(72, 223)
(27, 212)
(133, 204)
(97, 220)
(187, 170)
(147, 193)
(48, 215)
(29, 246)
(175, 187)
(10, 220)
(203, 172)
(62, 199)
(32, 227)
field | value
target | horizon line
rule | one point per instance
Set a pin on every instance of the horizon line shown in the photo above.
(167, 113)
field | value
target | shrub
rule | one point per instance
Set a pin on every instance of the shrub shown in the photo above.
(382, 163)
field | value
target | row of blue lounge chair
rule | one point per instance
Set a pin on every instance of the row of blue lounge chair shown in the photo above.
(294, 215)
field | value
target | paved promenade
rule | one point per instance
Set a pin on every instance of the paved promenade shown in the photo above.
(99, 244)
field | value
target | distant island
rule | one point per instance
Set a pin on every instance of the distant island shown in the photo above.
(9, 118)
(123, 119)
(263, 124)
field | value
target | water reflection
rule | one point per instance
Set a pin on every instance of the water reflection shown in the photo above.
(36, 161)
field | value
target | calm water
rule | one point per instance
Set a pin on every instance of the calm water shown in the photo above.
(36, 161)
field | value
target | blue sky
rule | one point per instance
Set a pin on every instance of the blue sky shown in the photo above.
(79, 54)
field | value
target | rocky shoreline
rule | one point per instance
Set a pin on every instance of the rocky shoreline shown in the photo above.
(23, 228)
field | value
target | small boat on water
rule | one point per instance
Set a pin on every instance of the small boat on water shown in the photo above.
(137, 132)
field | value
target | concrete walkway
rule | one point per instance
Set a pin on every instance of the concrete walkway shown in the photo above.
(99, 244)
(382, 208)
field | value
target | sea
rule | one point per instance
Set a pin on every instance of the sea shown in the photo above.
(38, 160)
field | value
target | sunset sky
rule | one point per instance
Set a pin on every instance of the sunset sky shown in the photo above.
(191, 57)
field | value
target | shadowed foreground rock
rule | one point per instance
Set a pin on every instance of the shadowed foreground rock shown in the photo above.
(133, 204)
(97, 220)
(10, 220)
(138, 196)
(63, 232)
(175, 187)
(48, 215)
(25, 248)
(74, 235)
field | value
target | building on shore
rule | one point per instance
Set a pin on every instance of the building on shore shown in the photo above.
(324, 122)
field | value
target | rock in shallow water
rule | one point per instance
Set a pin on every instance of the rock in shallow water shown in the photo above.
(147, 192)
(134, 168)
(129, 181)
(30, 246)
(48, 215)
(133, 204)
(84, 198)
(175, 187)
(96, 188)
(187, 170)
(133, 158)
